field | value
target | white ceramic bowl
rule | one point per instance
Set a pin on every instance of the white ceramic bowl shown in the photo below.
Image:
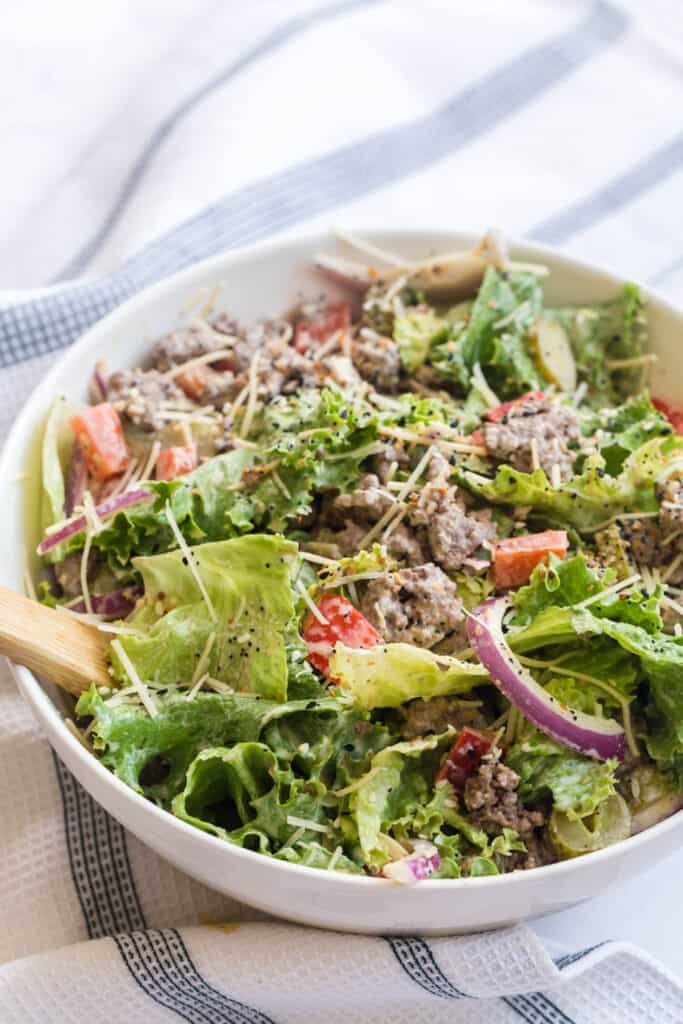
(257, 282)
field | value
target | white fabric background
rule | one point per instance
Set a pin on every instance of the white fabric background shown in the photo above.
(120, 121)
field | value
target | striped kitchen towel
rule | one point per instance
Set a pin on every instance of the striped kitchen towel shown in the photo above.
(554, 119)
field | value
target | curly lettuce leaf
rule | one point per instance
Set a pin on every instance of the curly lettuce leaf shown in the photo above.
(398, 784)
(612, 330)
(248, 582)
(55, 452)
(588, 500)
(415, 332)
(391, 674)
(577, 784)
(627, 428)
(561, 583)
(152, 754)
(495, 335)
(242, 793)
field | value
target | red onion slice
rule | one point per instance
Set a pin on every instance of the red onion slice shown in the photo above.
(117, 604)
(422, 862)
(600, 738)
(104, 511)
(77, 479)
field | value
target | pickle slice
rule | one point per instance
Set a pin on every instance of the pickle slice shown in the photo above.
(610, 824)
(553, 353)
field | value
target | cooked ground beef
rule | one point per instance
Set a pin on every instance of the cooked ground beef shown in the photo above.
(382, 463)
(538, 852)
(180, 346)
(670, 495)
(366, 504)
(421, 717)
(415, 606)
(138, 395)
(377, 360)
(492, 801)
(549, 423)
(454, 533)
(658, 541)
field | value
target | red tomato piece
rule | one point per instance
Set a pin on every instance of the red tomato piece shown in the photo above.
(464, 758)
(674, 415)
(175, 462)
(344, 622)
(497, 413)
(312, 331)
(99, 430)
(477, 437)
(515, 558)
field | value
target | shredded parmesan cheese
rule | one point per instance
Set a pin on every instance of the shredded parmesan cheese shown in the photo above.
(400, 497)
(308, 556)
(201, 666)
(151, 461)
(197, 686)
(253, 395)
(313, 609)
(555, 476)
(280, 484)
(203, 360)
(614, 589)
(481, 384)
(368, 248)
(671, 569)
(535, 461)
(189, 559)
(140, 688)
(305, 823)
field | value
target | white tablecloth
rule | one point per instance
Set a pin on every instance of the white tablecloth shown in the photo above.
(557, 120)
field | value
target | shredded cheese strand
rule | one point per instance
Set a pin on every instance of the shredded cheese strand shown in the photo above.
(400, 497)
(253, 395)
(191, 564)
(305, 823)
(313, 609)
(481, 384)
(132, 673)
(614, 589)
(203, 360)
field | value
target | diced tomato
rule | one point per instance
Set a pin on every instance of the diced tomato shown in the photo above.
(515, 558)
(497, 413)
(193, 381)
(344, 622)
(175, 462)
(464, 758)
(674, 415)
(312, 331)
(477, 436)
(100, 433)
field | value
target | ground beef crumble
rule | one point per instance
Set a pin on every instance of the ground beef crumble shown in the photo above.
(552, 425)
(415, 606)
(421, 717)
(139, 396)
(493, 803)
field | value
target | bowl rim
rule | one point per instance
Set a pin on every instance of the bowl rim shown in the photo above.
(87, 345)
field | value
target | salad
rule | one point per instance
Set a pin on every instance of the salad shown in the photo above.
(394, 583)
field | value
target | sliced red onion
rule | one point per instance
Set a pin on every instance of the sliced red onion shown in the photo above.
(600, 738)
(419, 864)
(104, 510)
(76, 481)
(117, 604)
(97, 390)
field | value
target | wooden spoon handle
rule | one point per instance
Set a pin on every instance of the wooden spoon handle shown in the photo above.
(55, 646)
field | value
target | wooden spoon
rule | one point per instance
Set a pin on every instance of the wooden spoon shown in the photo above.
(54, 645)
